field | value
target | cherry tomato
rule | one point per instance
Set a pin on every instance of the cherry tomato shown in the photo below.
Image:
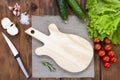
(106, 58)
(97, 46)
(96, 40)
(107, 47)
(101, 53)
(107, 65)
(113, 59)
(107, 41)
(111, 53)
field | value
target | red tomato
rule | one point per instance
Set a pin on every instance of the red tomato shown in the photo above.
(107, 41)
(96, 40)
(107, 47)
(107, 65)
(101, 53)
(106, 58)
(111, 53)
(113, 59)
(97, 46)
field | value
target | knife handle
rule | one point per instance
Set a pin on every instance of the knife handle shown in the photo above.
(22, 67)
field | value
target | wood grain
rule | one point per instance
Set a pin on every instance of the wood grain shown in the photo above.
(9, 69)
(25, 43)
(70, 79)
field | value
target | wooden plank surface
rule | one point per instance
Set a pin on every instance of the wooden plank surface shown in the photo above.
(9, 69)
(9, 66)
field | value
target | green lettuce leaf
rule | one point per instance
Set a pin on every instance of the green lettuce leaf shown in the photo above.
(104, 20)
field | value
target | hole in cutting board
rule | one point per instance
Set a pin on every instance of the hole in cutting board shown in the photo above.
(32, 31)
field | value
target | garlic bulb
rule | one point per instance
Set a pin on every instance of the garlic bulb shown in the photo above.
(9, 26)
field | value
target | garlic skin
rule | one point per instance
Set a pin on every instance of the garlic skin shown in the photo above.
(9, 26)
(10, 8)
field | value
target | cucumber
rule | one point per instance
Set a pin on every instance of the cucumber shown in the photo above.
(76, 9)
(63, 9)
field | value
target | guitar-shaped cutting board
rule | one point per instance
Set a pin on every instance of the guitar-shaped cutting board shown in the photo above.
(71, 52)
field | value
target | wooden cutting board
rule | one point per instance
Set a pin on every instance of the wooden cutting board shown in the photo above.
(57, 45)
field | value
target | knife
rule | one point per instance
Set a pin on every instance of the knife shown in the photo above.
(16, 55)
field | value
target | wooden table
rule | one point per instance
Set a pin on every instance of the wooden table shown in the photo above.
(9, 69)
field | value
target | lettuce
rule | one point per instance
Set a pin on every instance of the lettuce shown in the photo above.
(112, 1)
(104, 20)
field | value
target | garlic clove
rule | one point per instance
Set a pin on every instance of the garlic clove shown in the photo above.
(6, 23)
(12, 30)
(10, 8)
(18, 8)
(14, 12)
(18, 13)
(15, 9)
(16, 4)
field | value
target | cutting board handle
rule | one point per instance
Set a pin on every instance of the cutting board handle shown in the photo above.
(36, 34)
(39, 35)
(53, 29)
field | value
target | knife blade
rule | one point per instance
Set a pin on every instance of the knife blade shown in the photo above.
(16, 54)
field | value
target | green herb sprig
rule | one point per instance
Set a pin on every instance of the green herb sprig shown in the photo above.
(49, 65)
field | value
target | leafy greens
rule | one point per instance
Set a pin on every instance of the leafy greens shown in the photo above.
(104, 19)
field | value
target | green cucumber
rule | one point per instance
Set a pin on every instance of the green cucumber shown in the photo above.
(63, 9)
(77, 9)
